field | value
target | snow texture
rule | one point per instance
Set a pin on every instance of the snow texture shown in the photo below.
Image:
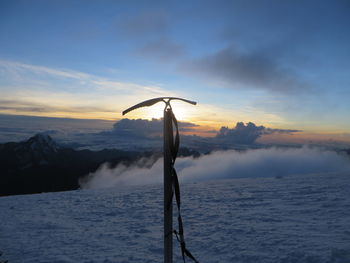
(294, 219)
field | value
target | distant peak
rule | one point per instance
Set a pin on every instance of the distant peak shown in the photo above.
(42, 141)
(42, 137)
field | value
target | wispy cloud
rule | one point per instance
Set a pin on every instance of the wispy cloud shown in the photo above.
(32, 89)
(12, 69)
(18, 67)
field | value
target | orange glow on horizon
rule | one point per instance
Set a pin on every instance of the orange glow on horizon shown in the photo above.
(208, 123)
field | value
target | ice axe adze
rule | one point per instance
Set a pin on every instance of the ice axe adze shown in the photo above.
(171, 147)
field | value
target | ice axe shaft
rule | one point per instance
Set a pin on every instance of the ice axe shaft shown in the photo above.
(168, 166)
(168, 190)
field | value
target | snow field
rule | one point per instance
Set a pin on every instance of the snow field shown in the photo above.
(291, 219)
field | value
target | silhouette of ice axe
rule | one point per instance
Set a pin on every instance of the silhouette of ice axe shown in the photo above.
(170, 152)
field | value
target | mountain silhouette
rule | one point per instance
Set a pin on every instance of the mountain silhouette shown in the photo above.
(41, 165)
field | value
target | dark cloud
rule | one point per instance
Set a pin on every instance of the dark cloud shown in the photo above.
(25, 109)
(149, 30)
(145, 128)
(32, 107)
(252, 70)
(152, 22)
(246, 134)
(24, 106)
(162, 49)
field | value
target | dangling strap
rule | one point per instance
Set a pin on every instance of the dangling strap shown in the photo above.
(174, 148)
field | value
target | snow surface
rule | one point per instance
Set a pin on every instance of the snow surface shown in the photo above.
(292, 219)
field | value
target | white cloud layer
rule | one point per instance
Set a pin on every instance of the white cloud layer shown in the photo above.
(271, 162)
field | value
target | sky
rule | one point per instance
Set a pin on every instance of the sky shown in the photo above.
(281, 64)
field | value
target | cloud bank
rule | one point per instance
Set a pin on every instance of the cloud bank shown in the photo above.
(224, 165)
(247, 134)
(240, 134)
(145, 128)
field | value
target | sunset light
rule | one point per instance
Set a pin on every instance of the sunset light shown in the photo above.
(125, 125)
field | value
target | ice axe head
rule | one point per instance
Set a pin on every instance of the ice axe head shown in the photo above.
(151, 102)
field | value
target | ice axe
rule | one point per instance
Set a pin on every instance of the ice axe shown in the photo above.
(170, 149)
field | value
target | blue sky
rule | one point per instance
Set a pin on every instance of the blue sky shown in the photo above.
(283, 64)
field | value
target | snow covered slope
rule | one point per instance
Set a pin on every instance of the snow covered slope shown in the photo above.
(292, 219)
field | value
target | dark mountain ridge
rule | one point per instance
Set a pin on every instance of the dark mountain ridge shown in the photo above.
(41, 165)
